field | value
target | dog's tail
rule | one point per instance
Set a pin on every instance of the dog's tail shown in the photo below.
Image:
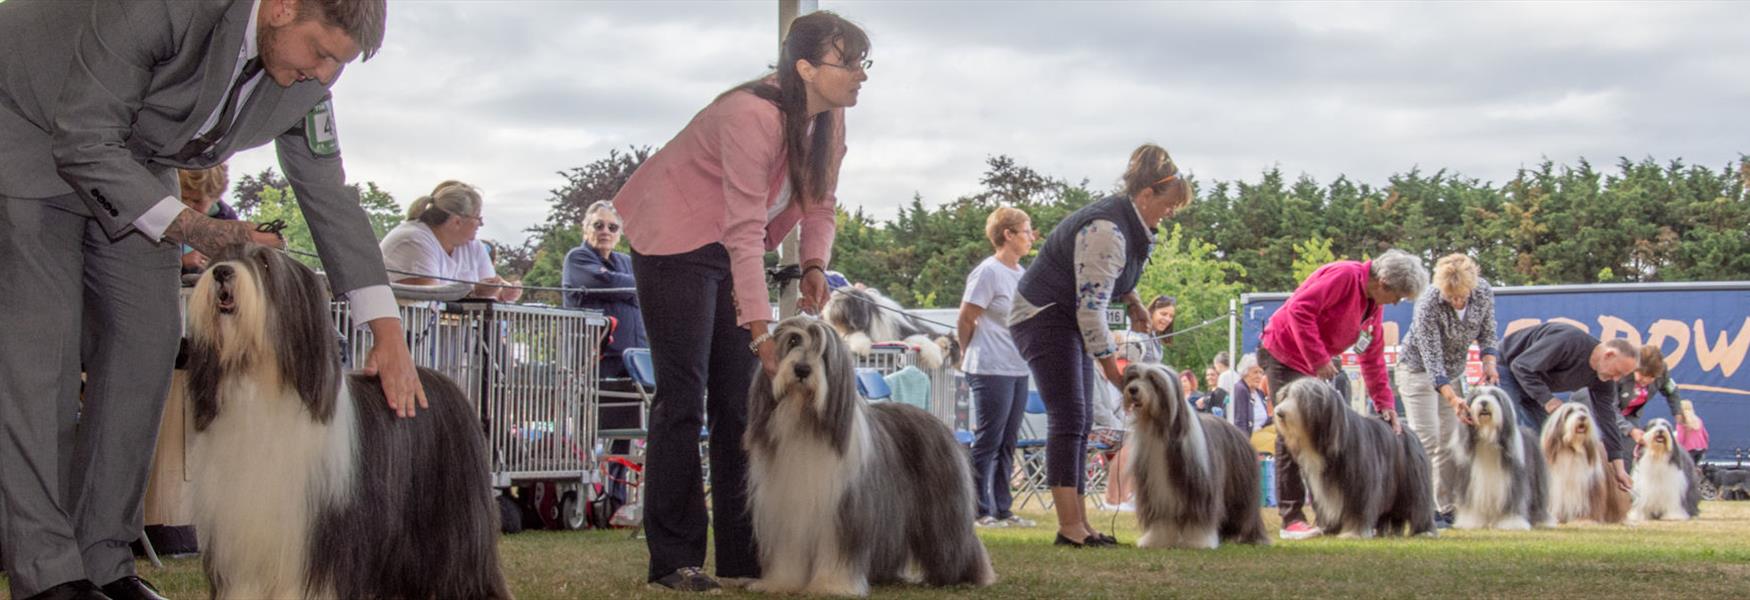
(1417, 489)
(1243, 522)
(941, 538)
(1537, 473)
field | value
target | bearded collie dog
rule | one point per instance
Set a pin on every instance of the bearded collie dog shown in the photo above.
(1665, 482)
(305, 483)
(844, 493)
(865, 317)
(1364, 479)
(1196, 474)
(1581, 487)
(1497, 475)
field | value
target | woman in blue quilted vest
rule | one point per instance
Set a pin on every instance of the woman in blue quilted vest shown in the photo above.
(1091, 259)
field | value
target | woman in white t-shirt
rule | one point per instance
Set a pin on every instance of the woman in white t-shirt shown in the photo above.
(438, 239)
(994, 368)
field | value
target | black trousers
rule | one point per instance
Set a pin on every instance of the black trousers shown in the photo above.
(703, 370)
(1291, 496)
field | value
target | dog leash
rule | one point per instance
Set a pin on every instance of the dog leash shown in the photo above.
(585, 291)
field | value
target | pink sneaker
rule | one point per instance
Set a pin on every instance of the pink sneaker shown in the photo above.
(1300, 530)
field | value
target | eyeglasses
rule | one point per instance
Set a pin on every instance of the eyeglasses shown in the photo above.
(481, 219)
(600, 225)
(861, 66)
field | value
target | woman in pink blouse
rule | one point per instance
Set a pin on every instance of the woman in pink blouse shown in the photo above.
(699, 215)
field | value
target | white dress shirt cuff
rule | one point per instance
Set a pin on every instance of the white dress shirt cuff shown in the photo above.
(371, 303)
(159, 218)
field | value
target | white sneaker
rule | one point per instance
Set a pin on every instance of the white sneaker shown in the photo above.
(1018, 521)
(1125, 507)
(989, 521)
(1300, 530)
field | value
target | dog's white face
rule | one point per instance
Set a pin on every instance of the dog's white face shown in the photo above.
(1151, 392)
(1576, 426)
(806, 351)
(1488, 409)
(1658, 439)
(229, 308)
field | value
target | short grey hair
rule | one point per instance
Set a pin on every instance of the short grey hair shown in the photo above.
(1247, 363)
(1222, 359)
(606, 206)
(1399, 272)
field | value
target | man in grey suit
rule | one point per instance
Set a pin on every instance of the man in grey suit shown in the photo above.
(100, 102)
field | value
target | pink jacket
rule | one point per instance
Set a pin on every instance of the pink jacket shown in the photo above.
(1326, 315)
(715, 182)
(1692, 439)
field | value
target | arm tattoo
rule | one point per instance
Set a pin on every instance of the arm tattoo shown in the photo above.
(211, 237)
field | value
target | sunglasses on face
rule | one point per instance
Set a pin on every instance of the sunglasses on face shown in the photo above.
(611, 227)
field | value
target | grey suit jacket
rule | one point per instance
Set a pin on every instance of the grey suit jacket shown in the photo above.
(97, 98)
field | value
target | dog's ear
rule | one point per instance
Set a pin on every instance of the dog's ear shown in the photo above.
(1166, 388)
(309, 353)
(1321, 410)
(204, 374)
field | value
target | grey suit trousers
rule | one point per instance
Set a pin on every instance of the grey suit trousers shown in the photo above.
(73, 474)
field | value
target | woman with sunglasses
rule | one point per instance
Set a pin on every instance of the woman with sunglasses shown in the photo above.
(598, 278)
(700, 215)
(1092, 258)
(440, 243)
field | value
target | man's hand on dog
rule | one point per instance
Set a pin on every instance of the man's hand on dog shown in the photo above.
(393, 366)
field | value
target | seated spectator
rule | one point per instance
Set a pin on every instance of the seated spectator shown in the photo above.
(1217, 398)
(1252, 406)
(201, 191)
(438, 239)
(1198, 399)
(598, 278)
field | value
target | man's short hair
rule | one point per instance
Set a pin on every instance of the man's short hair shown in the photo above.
(1623, 348)
(363, 20)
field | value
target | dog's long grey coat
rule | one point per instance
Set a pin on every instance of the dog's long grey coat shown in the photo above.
(419, 519)
(908, 502)
(1528, 493)
(1372, 480)
(1214, 488)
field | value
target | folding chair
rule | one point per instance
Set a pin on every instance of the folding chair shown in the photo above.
(872, 385)
(1030, 459)
(641, 375)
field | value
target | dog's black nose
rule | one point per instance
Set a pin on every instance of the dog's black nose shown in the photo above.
(222, 273)
(803, 371)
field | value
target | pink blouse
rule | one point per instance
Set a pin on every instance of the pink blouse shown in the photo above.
(716, 181)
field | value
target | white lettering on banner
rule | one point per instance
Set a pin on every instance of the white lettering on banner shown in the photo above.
(1727, 354)
(1723, 352)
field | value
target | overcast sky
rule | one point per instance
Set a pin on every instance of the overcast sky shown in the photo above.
(505, 93)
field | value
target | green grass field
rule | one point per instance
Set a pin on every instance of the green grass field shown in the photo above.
(1705, 558)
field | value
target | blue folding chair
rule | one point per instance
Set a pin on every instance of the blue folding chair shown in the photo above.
(1030, 459)
(872, 385)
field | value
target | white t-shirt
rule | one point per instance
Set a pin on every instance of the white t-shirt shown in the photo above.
(992, 285)
(412, 247)
(1226, 381)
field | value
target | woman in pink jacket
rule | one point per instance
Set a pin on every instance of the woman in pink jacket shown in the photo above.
(1339, 306)
(700, 215)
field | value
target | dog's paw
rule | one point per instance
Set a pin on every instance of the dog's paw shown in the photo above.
(859, 344)
(929, 354)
